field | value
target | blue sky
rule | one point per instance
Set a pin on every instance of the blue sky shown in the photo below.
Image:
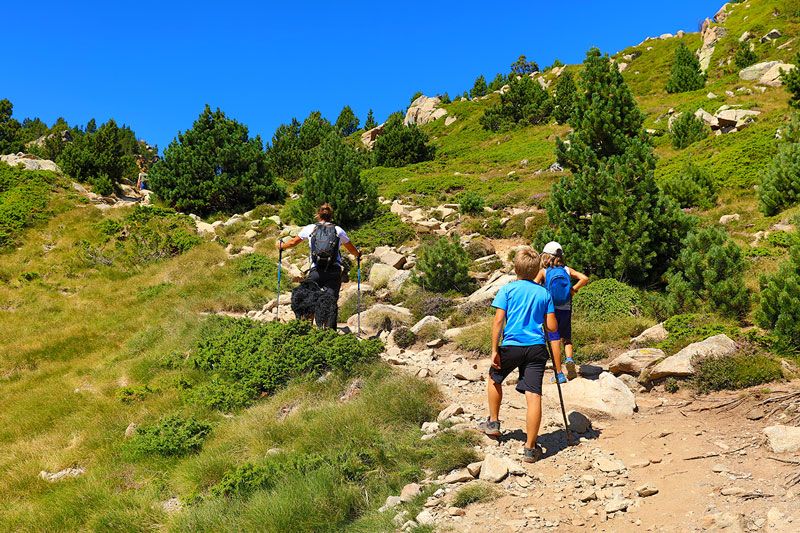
(153, 65)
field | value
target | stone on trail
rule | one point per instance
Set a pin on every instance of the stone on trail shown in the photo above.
(646, 490)
(617, 505)
(380, 274)
(428, 321)
(467, 372)
(449, 412)
(680, 364)
(605, 396)
(425, 518)
(475, 468)
(409, 492)
(493, 469)
(783, 439)
(579, 422)
(459, 476)
(609, 464)
(634, 361)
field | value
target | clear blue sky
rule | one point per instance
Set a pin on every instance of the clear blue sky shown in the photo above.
(153, 65)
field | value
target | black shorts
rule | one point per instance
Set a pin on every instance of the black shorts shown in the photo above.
(530, 360)
(564, 319)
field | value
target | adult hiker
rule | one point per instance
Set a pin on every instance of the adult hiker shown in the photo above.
(324, 238)
(522, 308)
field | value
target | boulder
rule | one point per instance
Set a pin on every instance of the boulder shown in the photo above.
(606, 396)
(707, 117)
(423, 110)
(251, 234)
(428, 321)
(680, 364)
(397, 281)
(737, 118)
(727, 219)
(369, 137)
(710, 36)
(783, 439)
(755, 72)
(459, 476)
(380, 274)
(772, 77)
(409, 492)
(651, 335)
(449, 412)
(29, 162)
(579, 422)
(634, 361)
(493, 469)
(389, 256)
(449, 120)
(378, 316)
(490, 289)
(771, 36)
(204, 228)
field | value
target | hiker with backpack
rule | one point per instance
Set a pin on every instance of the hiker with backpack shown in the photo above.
(557, 279)
(523, 312)
(324, 238)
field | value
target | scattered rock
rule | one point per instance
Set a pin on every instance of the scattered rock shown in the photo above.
(727, 219)
(353, 390)
(72, 472)
(493, 469)
(130, 431)
(391, 503)
(425, 518)
(634, 361)
(783, 439)
(389, 256)
(771, 36)
(29, 162)
(605, 396)
(409, 492)
(251, 234)
(617, 505)
(449, 412)
(587, 495)
(428, 321)
(732, 491)
(646, 490)
(475, 468)
(380, 274)
(680, 364)
(766, 73)
(459, 476)
(609, 464)
(173, 505)
(490, 289)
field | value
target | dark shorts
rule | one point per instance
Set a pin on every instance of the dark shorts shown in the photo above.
(529, 360)
(564, 318)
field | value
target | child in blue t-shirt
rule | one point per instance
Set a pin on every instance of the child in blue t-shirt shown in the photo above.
(521, 309)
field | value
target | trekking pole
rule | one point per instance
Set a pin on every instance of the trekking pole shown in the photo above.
(358, 298)
(558, 385)
(280, 267)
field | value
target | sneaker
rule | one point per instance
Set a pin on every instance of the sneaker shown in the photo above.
(531, 455)
(490, 428)
(560, 377)
(571, 372)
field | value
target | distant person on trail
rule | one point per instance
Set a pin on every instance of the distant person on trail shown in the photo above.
(557, 279)
(324, 238)
(522, 308)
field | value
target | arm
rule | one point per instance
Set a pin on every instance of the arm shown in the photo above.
(497, 328)
(285, 245)
(582, 280)
(540, 276)
(551, 324)
(352, 249)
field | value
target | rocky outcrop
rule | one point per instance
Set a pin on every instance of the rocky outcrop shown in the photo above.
(29, 162)
(783, 439)
(369, 137)
(651, 335)
(681, 364)
(423, 110)
(710, 35)
(490, 289)
(766, 73)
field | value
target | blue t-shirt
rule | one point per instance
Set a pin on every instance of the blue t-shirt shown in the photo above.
(526, 304)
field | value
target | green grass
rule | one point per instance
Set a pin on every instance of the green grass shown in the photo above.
(474, 492)
(736, 372)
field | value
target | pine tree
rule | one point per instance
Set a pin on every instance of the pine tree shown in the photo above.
(284, 153)
(781, 186)
(564, 98)
(525, 103)
(779, 296)
(791, 80)
(9, 129)
(497, 83)
(523, 67)
(687, 129)
(685, 74)
(347, 123)
(710, 270)
(479, 88)
(336, 179)
(401, 145)
(692, 187)
(370, 122)
(443, 266)
(745, 56)
(214, 167)
(609, 214)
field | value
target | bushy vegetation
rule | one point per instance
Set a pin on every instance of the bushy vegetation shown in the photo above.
(24, 196)
(686, 130)
(525, 103)
(685, 74)
(173, 435)
(404, 337)
(523, 67)
(472, 493)
(401, 145)
(443, 266)
(780, 293)
(470, 203)
(791, 80)
(347, 122)
(693, 187)
(736, 372)
(564, 97)
(386, 229)
(609, 213)
(606, 299)
(745, 56)
(9, 128)
(781, 186)
(370, 122)
(684, 329)
(249, 358)
(479, 88)
(214, 167)
(336, 178)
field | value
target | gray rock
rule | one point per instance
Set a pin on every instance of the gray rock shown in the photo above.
(634, 361)
(409, 492)
(680, 364)
(579, 422)
(449, 412)
(67, 473)
(391, 503)
(423, 110)
(29, 162)
(651, 335)
(609, 464)
(251, 234)
(632, 383)
(459, 476)
(425, 518)
(378, 316)
(605, 396)
(490, 289)
(783, 439)
(771, 36)
(428, 321)
(389, 256)
(475, 468)
(493, 469)
(380, 274)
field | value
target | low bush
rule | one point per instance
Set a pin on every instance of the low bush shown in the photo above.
(429, 332)
(134, 394)
(404, 337)
(173, 435)
(779, 310)
(470, 203)
(745, 56)
(595, 339)
(781, 186)
(443, 266)
(685, 329)
(736, 372)
(424, 304)
(479, 247)
(386, 229)
(606, 299)
(24, 196)
(249, 358)
(693, 187)
(248, 477)
(671, 385)
(687, 129)
(474, 492)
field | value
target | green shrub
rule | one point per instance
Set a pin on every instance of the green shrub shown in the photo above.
(781, 186)
(525, 103)
(386, 229)
(250, 358)
(470, 203)
(249, 477)
(474, 492)
(479, 88)
(450, 450)
(404, 337)
(401, 145)
(745, 56)
(779, 310)
(134, 394)
(24, 197)
(606, 299)
(709, 270)
(256, 271)
(687, 129)
(443, 266)
(173, 435)
(736, 372)
(671, 385)
(214, 167)
(791, 80)
(693, 187)
(347, 122)
(685, 329)
(781, 239)
(479, 247)
(685, 74)
(564, 97)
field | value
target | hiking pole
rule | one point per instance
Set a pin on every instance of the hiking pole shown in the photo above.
(358, 298)
(280, 267)
(558, 385)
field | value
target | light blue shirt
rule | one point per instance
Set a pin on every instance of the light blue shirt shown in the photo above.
(526, 304)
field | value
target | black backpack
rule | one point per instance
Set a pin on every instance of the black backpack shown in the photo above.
(324, 246)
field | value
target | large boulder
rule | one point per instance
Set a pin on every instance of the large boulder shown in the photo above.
(423, 110)
(783, 439)
(428, 321)
(369, 137)
(493, 469)
(772, 77)
(603, 397)
(736, 118)
(29, 162)
(634, 361)
(681, 364)
(707, 117)
(380, 316)
(651, 335)
(710, 36)
(492, 286)
(380, 274)
(389, 256)
(765, 73)
(397, 281)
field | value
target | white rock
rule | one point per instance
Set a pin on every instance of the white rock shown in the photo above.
(389, 256)
(409, 492)
(425, 518)
(606, 396)
(490, 289)
(52, 477)
(727, 219)
(391, 502)
(428, 321)
(449, 411)
(369, 137)
(459, 476)
(782, 439)
(423, 110)
(380, 274)
(493, 469)
(29, 162)
(651, 335)
(634, 361)
(397, 281)
(251, 234)
(680, 364)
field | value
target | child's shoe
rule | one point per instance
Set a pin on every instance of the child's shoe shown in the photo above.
(572, 373)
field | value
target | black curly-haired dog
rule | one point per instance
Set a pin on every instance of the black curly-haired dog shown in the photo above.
(310, 301)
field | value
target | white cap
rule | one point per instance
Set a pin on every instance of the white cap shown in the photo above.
(553, 248)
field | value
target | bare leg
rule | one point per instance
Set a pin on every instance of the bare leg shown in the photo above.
(534, 417)
(495, 393)
(568, 349)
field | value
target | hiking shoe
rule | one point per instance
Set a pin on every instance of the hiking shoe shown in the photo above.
(560, 377)
(490, 428)
(531, 455)
(571, 372)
